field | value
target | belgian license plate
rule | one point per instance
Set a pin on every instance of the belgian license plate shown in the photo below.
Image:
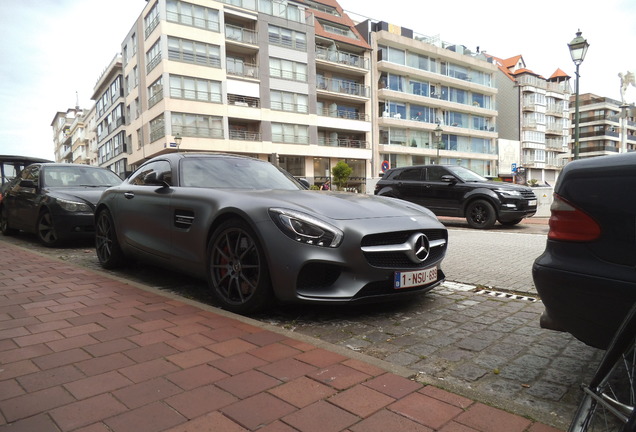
(415, 278)
(532, 203)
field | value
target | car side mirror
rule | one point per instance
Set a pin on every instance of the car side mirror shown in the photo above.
(449, 179)
(27, 183)
(304, 182)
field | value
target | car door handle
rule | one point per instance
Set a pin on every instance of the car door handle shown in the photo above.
(129, 195)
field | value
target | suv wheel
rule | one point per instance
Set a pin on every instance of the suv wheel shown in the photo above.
(481, 214)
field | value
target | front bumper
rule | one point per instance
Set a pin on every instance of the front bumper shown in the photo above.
(347, 274)
(74, 225)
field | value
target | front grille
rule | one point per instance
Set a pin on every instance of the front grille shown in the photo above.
(397, 259)
(528, 194)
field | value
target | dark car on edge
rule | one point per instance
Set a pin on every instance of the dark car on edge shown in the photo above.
(452, 190)
(586, 276)
(55, 201)
(257, 234)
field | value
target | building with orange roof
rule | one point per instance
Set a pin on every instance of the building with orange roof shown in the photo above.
(534, 117)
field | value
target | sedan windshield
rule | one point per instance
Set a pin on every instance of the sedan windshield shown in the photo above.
(466, 175)
(234, 173)
(74, 176)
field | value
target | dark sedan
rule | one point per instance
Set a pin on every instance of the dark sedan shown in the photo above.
(257, 234)
(587, 275)
(54, 201)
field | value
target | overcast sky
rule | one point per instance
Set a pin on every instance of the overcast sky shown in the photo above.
(52, 50)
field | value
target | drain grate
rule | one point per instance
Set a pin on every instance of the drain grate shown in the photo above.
(499, 294)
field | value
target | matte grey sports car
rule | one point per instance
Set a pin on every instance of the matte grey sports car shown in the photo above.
(257, 234)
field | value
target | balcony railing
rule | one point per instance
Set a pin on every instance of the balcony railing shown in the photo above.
(328, 112)
(247, 70)
(240, 100)
(241, 34)
(339, 142)
(154, 99)
(342, 57)
(342, 86)
(245, 135)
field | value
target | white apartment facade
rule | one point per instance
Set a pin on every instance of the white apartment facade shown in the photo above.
(420, 82)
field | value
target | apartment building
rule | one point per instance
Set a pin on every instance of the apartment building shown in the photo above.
(606, 126)
(421, 82)
(70, 136)
(286, 81)
(534, 111)
(110, 127)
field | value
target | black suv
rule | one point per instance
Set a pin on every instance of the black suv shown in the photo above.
(451, 190)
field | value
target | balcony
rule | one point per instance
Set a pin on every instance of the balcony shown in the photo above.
(240, 34)
(241, 69)
(343, 58)
(343, 114)
(242, 135)
(343, 87)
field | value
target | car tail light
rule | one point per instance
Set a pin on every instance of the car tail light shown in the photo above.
(570, 223)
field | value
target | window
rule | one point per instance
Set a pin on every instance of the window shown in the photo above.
(194, 52)
(193, 15)
(196, 125)
(418, 61)
(287, 69)
(290, 133)
(157, 128)
(285, 101)
(393, 55)
(159, 170)
(151, 20)
(182, 87)
(155, 92)
(418, 88)
(153, 57)
(410, 174)
(422, 113)
(287, 38)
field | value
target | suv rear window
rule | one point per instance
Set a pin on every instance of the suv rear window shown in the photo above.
(410, 174)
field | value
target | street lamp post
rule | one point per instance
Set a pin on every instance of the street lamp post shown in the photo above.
(177, 140)
(578, 49)
(438, 139)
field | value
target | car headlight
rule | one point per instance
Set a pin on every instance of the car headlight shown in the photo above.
(73, 206)
(508, 193)
(305, 228)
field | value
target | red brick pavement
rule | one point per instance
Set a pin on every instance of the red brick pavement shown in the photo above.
(83, 351)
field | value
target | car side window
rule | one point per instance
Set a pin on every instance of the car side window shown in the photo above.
(411, 174)
(435, 173)
(151, 173)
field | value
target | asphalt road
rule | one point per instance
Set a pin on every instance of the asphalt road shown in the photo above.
(476, 335)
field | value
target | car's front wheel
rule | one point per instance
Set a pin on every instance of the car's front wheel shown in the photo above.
(107, 247)
(45, 229)
(481, 214)
(236, 268)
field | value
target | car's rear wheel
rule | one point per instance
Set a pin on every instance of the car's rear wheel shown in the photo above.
(236, 268)
(45, 229)
(481, 214)
(4, 223)
(107, 247)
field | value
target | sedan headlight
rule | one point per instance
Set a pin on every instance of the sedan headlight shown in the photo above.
(73, 206)
(305, 228)
(509, 193)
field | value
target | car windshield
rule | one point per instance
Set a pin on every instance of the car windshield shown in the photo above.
(74, 176)
(234, 173)
(466, 175)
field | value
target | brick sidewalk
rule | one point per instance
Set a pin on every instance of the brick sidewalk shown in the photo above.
(84, 351)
